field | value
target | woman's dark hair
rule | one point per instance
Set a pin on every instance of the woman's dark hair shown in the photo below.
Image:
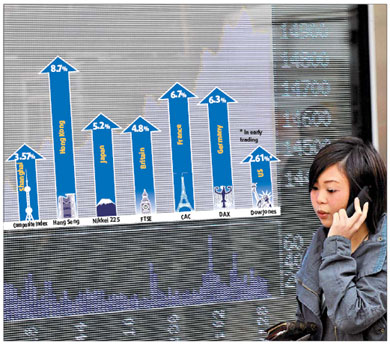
(362, 165)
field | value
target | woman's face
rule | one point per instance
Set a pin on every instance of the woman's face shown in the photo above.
(330, 193)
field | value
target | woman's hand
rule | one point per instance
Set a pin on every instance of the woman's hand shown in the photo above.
(348, 226)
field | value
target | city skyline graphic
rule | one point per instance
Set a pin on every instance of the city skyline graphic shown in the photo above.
(29, 304)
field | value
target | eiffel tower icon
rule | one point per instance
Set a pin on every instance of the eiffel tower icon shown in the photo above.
(184, 203)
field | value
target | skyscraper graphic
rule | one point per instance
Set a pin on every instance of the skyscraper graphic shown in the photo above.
(29, 210)
(67, 206)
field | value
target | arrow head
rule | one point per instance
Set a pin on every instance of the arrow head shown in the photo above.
(140, 125)
(217, 96)
(177, 91)
(260, 152)
(25, 153)
(58, 65)
(101, 122)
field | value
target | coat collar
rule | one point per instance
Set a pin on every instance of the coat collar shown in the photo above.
(375, 248)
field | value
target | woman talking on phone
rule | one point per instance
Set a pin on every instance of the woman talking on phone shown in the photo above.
(342, 282)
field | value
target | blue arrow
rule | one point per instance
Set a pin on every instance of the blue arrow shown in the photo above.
(26, 178)
(59, 71)
(217, 102)
(260, 160)
(177, 97)
(145, 197)
(103, 159)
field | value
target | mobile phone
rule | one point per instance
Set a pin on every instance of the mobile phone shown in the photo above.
(363, 197)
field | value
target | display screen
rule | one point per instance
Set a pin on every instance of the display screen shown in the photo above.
(156, 162)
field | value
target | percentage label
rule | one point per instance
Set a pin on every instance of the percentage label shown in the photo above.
(261, 157)
(100, 125)
(58, 68)
(24, 156)
(140, 128)
(217, 99)
(178, 94)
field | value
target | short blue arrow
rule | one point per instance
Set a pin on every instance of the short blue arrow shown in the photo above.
(178, 107)
(59, 70)
(145, 197)
(217, 102)
(260, 160)
(103, 157)
(26, 179)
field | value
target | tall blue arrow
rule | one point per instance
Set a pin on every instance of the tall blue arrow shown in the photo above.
(103, 158)
(178, 107)
(260, 160)
(145, 198)
(26, 178)
(61, 115)
(217, 102)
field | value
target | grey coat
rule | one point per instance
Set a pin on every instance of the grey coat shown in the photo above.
(344, 294)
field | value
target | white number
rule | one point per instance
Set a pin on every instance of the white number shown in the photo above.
(178, 94)
(24, 156)
(305, 147)
(58, 68)
(130, 331)
(301, 178)
(218, 323)
(305, 59)
(260, 157)
(81, 328)
(304, 88)
(100, 125)
(31, 332)
(262, 320)
(304, 30)
(173, 327)
(292, 251)
(140, 128)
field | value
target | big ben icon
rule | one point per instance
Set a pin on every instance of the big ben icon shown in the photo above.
(146, 206)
